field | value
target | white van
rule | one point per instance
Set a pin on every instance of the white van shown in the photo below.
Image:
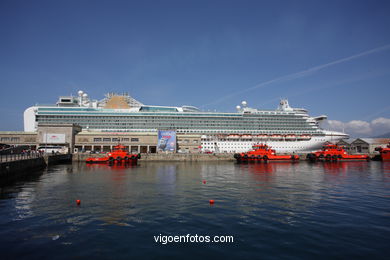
(51, 149)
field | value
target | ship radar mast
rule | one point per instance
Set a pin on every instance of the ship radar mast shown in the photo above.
(284, 106)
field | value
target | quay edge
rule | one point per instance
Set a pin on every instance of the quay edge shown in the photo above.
(14, 169)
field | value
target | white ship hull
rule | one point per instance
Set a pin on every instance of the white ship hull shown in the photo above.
(281, 146)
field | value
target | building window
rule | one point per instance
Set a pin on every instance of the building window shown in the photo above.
(115, 139)
(125, 139)
(97, 139)
(135, 139)
(5, 139)
(15, 139)
(106, 139)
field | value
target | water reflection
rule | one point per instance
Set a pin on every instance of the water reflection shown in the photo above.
(110, 166)
(386, 167)
(122, 205)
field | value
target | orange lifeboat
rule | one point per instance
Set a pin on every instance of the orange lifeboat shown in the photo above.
(276, 137)
(265, 153)
(304, 137)
(290, 137)
(118, 154)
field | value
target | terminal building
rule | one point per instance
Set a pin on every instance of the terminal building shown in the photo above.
(74, 139)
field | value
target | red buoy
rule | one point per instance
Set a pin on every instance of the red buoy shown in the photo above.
(204, 181)
(78, 202)
(211, 201)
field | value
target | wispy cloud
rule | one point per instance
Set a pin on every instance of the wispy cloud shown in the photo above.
(339, 84)
(301, 74)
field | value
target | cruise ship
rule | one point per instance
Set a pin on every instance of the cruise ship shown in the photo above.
(285, 129)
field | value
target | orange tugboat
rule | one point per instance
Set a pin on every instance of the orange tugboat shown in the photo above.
(265, 153)
(118, 154)
(332, 152)
(384, 152)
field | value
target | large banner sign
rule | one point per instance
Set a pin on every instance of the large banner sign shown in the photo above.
(53, 138)
(166, 141)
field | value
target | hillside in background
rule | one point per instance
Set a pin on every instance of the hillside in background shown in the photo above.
(387, 135)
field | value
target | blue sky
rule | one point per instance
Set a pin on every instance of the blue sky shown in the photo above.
(202, 53)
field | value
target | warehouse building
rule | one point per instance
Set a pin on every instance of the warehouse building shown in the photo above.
(363, 145)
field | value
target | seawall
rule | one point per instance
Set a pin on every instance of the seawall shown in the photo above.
(59, 158)
(13, 169)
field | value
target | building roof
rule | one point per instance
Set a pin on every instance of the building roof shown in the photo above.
(348, 141)
(115, 134)
(17, 133)
(374, 140)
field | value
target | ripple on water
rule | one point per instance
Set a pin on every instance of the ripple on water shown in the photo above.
(274, 210)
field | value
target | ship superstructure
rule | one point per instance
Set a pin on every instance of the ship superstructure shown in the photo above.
(286, 129)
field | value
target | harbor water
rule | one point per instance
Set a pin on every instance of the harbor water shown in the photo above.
(271, 210)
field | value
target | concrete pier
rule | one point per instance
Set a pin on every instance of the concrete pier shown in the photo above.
(58, 158)
(15, 166)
